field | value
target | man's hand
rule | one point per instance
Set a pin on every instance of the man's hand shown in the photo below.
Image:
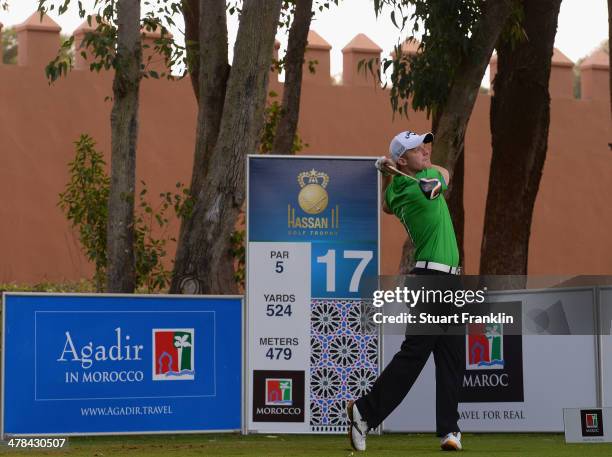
(382, 164)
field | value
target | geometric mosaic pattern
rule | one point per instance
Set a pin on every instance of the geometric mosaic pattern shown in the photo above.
(343, 361)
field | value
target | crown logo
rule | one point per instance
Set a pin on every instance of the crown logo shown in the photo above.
(313, 197)
(313, 177)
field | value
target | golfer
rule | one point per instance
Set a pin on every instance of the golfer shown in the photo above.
(420, 206)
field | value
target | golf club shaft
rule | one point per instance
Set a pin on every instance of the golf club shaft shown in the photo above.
(392, 168)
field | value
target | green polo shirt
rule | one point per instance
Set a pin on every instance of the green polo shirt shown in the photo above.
(428, 222)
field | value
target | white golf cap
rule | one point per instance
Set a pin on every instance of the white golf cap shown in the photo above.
(407, 140)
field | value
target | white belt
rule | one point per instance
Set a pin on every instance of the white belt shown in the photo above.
(438, 267)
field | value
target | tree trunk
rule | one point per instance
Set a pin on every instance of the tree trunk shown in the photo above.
(121, 275)
(450, 137)
(454, 200)
(407, 260)
(213, 71)
(294, 60)
(451, 122)
(191, 15)
(203, 261)
(454, 194)
(610, 50)
(520, 116)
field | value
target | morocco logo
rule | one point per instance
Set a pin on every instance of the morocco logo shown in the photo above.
(278, 392)
(173, 354)
(485, 347)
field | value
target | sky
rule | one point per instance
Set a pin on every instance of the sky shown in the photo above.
(583, 25)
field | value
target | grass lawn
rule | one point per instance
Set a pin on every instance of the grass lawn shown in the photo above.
(401, 445)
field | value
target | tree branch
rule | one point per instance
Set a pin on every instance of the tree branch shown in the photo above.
(191, 15)
(464, 89)
(294, 60)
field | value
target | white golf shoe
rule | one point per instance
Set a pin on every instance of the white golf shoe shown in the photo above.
(451, 442)
(358, 428)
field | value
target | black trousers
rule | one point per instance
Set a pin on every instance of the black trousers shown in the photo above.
(399, 375)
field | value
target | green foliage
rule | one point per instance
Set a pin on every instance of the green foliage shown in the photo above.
(160, 19)
(85, 202)
(288, 10)
(62, 63)
(151, 225)
(234, 7)
(446, 27)
(312, 66)
(272, 115)
(100, 44)
(150, 249)
(9, 46)
(513, 32)
(285, 21)
(423, 81)
(238, 252)
(82, 286)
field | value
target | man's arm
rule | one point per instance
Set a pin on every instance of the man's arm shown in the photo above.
(386, 180)
(444, 172)
(381, 165)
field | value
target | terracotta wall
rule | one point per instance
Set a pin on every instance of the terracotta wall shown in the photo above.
(39, 123)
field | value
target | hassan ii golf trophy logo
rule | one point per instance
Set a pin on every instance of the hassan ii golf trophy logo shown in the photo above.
(173, 354)
(313, 199)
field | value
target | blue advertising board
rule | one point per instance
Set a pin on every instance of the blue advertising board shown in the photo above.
(313, 237)
(108, 364)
